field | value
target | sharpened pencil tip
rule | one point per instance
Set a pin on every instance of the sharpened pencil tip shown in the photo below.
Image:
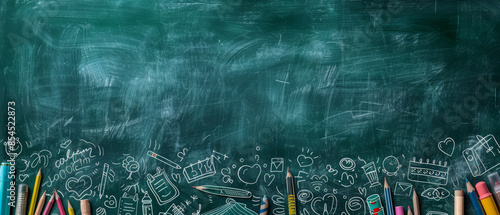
(466, 181)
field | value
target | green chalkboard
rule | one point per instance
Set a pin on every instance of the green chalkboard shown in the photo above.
(131, 103)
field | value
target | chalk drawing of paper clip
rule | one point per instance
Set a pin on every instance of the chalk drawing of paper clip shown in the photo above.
(161, 187)
(478, 157)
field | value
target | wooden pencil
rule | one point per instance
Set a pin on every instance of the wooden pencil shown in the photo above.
(416, 206)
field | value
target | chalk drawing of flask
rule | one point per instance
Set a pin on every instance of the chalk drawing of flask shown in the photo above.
(162, 188)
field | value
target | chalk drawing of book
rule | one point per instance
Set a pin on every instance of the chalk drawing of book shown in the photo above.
(173, 210)
(161, 187)
(479, 157)
(427, 172)
(128, 204)
(199, 170)
(231, 208)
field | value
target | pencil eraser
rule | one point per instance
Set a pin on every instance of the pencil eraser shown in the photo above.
(85, 207)
(400, 210)
(494, 180)
(482, 190)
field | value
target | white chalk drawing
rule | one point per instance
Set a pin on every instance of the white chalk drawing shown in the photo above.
(110, 202)
(305, 161)
(362, 191)
(197, 211)
(278, 201)
(79, 186)
(305, 212)
(176, 177)
(40, 158)
(26, 164)
(231, 208)
(173, 210)
(220, 154)
(391, 166)
(249, 174)
(147, 206)
(347, 164)
(131, 166)
(134, 187)
(346, 180)
(199, 170)
(162, 188)
(128, 204)
(403, 189)
(65, 144)
(324, 205)
(100, 211)
(182, 154)
(330, 169)
(163, 160)
(301, 178)
(355, 205)
(318, 181)
(107, 174)
(436, 213)
(371, 173)
(478, 156)
(435, 193)
(427, 172)
(447, 146)
(304, 196)
(23, 177)
(13, 148)
(269, 178)
(277, 164)
(226, 175)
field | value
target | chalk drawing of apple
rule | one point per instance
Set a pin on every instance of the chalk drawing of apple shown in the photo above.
(249, 174)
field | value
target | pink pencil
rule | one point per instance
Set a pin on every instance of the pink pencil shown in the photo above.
(59, 204)
(50, 203)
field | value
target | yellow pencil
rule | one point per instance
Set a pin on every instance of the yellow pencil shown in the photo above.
(70, 209)
(34, 196)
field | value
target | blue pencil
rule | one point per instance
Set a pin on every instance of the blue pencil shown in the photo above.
(473, 197)
(264, 206)
(4, 185)
(388, 198)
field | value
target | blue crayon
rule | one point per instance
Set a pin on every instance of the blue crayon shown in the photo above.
(4, 185)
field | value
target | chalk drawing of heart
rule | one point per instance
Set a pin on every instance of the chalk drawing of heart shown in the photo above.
(249, 174)
(111, 202)
(362, 191)
(269, 178)
(447, 146)
(324, 205)
(304, 161)
(176, 177)
(23, 177)
(80, 187)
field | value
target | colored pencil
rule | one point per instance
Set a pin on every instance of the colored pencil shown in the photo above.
(416, 204)
(50, 203)
(71, 211)
(473, 197)
(409, 211)
(164, 160)
(388, 198)
(459, 202)
(224, 191)
(264, 206)
(85, 207)
(39, 207)
(486, 199)
(291, 193)
(59, 204)
(34, 196)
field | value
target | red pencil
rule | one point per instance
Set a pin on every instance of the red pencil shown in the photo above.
(59, 204)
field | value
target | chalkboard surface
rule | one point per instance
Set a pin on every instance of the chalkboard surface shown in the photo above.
(131, 103)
